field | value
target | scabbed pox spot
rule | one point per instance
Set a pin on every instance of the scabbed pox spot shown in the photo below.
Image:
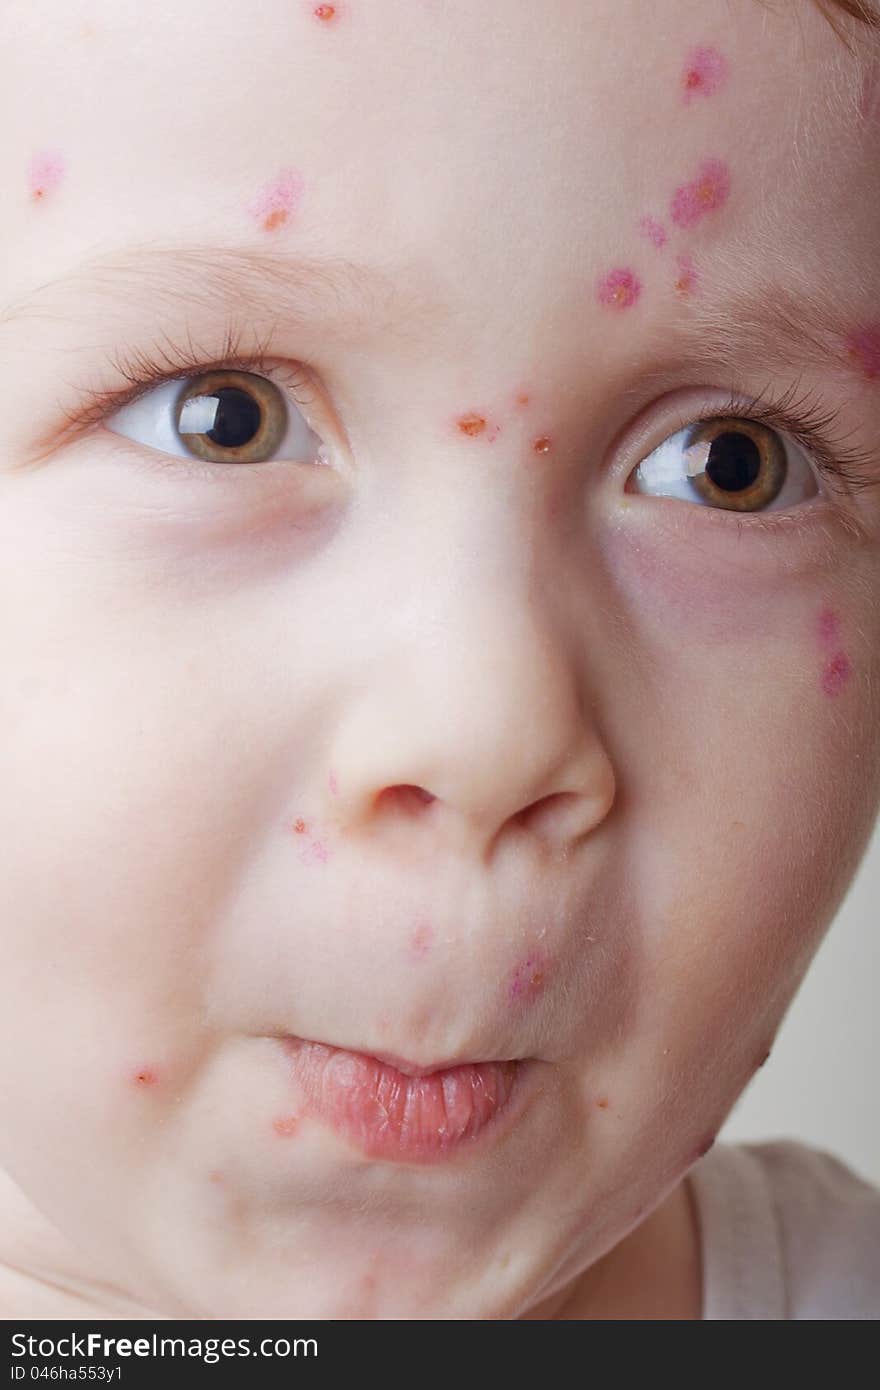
(145, 1077)
(602, 1103)
(686, 278)
(704, 72)
(286, 1125)
(299, 826)
(528, 978)
(277, 200)
(471, 424)
(542, 445)
(654, 231)
(618, 288)
(708, 192)
(45, 172)
(836, 674)
(863, 350)
(325, 12)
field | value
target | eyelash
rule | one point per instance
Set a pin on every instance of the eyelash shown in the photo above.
(806, 420)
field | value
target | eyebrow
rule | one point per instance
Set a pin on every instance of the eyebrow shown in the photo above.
(262, 282)
(738, 319)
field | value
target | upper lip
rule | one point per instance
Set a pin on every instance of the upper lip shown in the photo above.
(403, 1065)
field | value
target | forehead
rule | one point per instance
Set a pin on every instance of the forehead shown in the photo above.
(410, 133)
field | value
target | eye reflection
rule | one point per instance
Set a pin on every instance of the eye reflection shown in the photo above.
(728, 462)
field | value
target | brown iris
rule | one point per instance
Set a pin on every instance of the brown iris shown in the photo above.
(229, 416)
(736, 463)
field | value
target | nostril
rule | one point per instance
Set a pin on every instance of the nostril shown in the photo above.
(405, 798)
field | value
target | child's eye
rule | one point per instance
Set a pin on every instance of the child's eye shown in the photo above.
(222, 416)
(730, 462)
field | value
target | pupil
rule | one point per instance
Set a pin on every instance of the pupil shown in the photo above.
(237, 418)
(734, 461)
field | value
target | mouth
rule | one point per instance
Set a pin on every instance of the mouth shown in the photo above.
(391, 1110)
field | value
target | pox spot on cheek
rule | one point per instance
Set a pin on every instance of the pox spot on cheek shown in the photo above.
(705, 71)
(708, 192)
(618, 288)
(863, 350)
(654, 231)
(528, 978)
(45, 172)
(277, 200)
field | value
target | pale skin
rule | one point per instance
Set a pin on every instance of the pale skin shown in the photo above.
(651, 736)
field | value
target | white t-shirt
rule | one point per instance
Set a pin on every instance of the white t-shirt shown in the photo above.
(786, 1231)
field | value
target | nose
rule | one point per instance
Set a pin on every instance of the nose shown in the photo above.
(480, 733)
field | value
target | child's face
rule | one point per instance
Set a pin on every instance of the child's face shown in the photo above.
(459, 741)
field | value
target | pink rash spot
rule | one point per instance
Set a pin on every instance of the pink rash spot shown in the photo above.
(527, 979)
(705, 71)
(145, 1077)
(522, 399)
(828, 626)
(707, 193)
(333, 784)
(863, 349)
(422, 940)
(277, 200)
(686, 280)
(619, 288)
(654, 231)
(836, 674)
(45, 172)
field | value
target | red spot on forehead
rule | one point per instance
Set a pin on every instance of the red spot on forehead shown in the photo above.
(863, 350)
(45, 172)
(618, 288)
(277, 200)
(704, 72)
(707, 193)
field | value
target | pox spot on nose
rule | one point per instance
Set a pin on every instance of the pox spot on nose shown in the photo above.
(618, 288)
(705, 71)
(277, 200)
(45, 172)
(528, 978)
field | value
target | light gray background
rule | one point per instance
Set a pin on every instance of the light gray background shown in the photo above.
(820, 1085)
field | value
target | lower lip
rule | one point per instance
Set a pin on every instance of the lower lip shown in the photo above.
(387, 1114)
